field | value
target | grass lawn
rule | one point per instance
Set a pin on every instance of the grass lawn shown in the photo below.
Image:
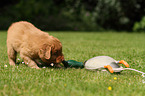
(80, 46)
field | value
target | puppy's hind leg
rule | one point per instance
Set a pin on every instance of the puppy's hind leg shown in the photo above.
(11, 55)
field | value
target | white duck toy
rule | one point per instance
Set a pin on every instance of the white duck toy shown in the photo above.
(105, 62)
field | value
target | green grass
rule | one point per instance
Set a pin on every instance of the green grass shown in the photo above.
(80, 46)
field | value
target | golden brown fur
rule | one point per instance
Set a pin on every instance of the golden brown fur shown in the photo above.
(32, 44)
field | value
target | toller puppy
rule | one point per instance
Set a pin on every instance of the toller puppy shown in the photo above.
(32, 44)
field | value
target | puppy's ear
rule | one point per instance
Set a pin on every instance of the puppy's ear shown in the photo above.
(45, 51)
(41, 52)
(48, 52)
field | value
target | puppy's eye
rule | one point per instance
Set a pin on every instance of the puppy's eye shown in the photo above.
(55, 53)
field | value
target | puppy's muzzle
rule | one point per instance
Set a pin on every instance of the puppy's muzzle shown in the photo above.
(59, 59)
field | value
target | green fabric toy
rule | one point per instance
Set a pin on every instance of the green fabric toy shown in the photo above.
(73, 64)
